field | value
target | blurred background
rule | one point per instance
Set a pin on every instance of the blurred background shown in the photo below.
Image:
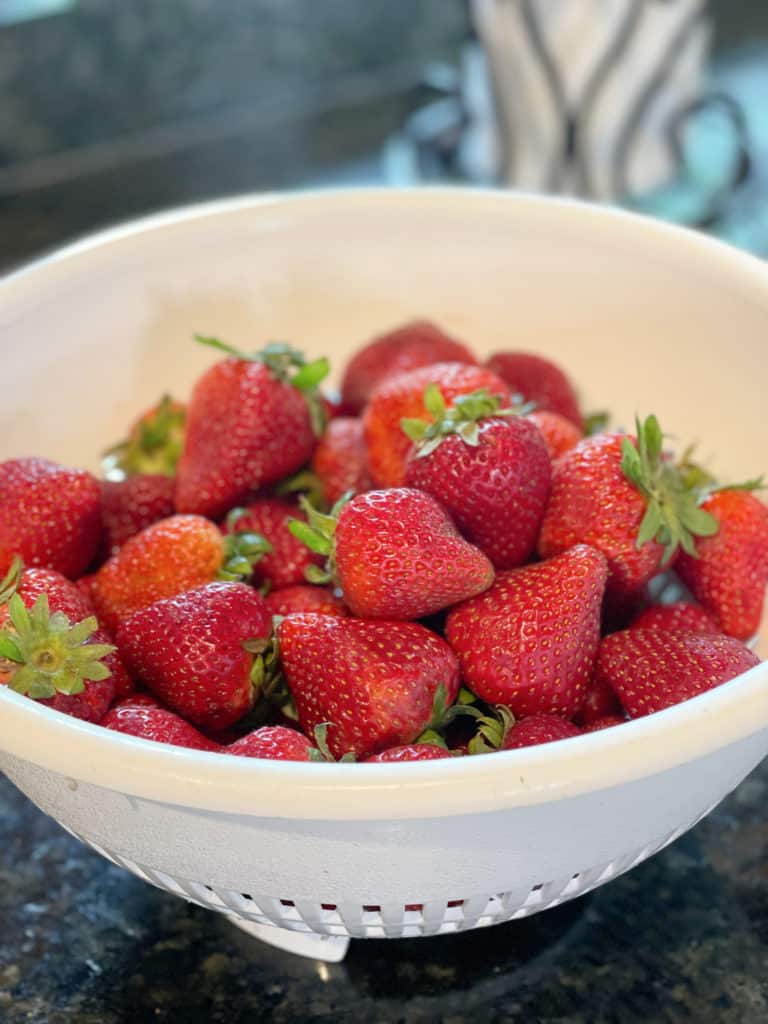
(109, 110)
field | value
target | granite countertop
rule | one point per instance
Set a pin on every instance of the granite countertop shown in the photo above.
(682, 938)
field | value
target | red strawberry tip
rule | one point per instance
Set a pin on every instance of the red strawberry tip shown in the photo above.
(672, 516)
(47, 654)
(287, 365)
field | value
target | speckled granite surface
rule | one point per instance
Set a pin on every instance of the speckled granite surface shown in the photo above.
(682, 938)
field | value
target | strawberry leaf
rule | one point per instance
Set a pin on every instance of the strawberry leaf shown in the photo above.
(313, 539)
(9, 649)
(311, 374)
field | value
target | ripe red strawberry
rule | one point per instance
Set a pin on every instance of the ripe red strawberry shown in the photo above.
(529, 642)
(403, 397)
(195, 651)
(275, 742)
(730, 575)
(652, 669)
(375, 682)
(341, 459)
(606, 722)
(150, 721)
(84, 586)
(167, 558)
(252, 420)
(415, 344)
(599, 702)
(48, 656)
(66, 597)
(411, 752)
(530, 732)
(625, 498)
(538, 380)
(396, 554)
(49, 515)
(487, 467)
(678, 616)
(560, 434)
(153, 444)
(305, 597)
(287, 561)
(129, 506)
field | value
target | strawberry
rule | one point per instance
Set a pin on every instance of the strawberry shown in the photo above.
(49, 515)
(150, 721)
(730, 574)
(305, 597)
(376, 683)
(341, 459)
(197, 651)
(415, 344)
(538, 380)
(530, 732)
(67, 598)
(130, 505)
(529, 642)
(84, 585)
(153, 445)
(621, 495)
(677, 616)
(287, 561)
(599, 702)
(395, 554)
(275, 742)
(48, 656)
(487, 467)
(252, 420)
(167, 558)
(606, 722)
(403, 397)
(652, 669)
(560, 434)
(411, 752)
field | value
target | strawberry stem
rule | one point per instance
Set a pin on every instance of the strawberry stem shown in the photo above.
(461, 418)
(672, 515)
(317, 534)
(49, 655)
(289, 366)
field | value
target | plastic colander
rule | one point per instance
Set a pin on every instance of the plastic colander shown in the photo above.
(644, 316)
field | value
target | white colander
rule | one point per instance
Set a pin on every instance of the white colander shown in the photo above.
(644, 316)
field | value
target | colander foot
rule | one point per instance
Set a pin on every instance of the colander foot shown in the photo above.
(330, 948)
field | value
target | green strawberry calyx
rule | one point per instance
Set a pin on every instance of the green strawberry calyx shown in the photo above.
(492, 730)
(46, 654)
(322, 752)
(672, 517)
(242, 549)
(317, 534)
(10, 582)
(289, 366)
(461, 418)
(154, 445)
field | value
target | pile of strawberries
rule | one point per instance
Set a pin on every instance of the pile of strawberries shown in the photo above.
(437, 563)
